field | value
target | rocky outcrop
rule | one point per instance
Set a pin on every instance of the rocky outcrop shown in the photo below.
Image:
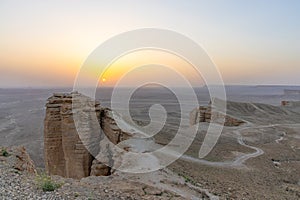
(204, 114)
(65, 153)
(290, 103)
(238, 113)
(79, 136)
(18, 158)
(110, 127)
(22, 161)
(108, 154)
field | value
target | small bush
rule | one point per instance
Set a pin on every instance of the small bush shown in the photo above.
(187, 179)
(45, 183)
(4, 153)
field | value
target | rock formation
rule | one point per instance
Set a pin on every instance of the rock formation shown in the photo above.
(108, 154)
(238, 113)
(81, 138)
(71, 148)
(290, 103)
(204, 114)
(18, 158)
(110, 127)
(65, 154)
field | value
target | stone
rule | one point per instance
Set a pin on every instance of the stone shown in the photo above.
(79, 137)
(205, 114)
(22, 161)
(110, 127)
(109, 154)
(65, 152)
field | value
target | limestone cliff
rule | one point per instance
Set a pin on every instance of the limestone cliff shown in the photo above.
(65, 154)
(108, 154)
(70, 147)
(204, 114)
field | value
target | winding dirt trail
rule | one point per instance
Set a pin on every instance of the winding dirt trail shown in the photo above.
(240, 160)
(281, 138)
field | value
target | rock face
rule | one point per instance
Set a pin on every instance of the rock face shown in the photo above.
(19, 159)
(108, 154)
(110, 127)
(204, 114)
(244, 112)
(290, 103)
(65, 153)
(71, 148)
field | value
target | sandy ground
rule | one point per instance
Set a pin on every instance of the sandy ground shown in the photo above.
(260, 160)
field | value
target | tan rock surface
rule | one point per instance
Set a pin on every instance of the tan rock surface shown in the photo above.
(65, 152)
(205, 114)
(77, 130)
(19, 159)
(108, 154)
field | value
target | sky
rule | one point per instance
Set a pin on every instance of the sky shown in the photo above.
(44, 43)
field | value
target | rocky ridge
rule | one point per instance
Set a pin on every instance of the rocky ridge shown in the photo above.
(205, 114)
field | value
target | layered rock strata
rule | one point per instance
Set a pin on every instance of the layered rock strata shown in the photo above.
(108, 155)
(79, 137)
(204, 114)
(65, 153)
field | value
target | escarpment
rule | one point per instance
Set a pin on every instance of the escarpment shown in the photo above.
(204, 114)
(238, 113)
(73, 137)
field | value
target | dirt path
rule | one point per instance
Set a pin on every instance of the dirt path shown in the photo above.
(240, 160)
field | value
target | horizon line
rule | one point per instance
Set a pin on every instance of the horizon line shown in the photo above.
(204, 86)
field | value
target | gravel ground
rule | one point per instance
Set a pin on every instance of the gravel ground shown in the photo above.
(16, 184)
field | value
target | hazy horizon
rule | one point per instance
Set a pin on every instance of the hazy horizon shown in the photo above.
(44, 44)
(230, 85)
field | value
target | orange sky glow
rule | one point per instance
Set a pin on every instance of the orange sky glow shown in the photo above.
(45, 44)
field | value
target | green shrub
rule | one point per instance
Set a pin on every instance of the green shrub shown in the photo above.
(45, 183)
(187, 179)
(4, 153)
